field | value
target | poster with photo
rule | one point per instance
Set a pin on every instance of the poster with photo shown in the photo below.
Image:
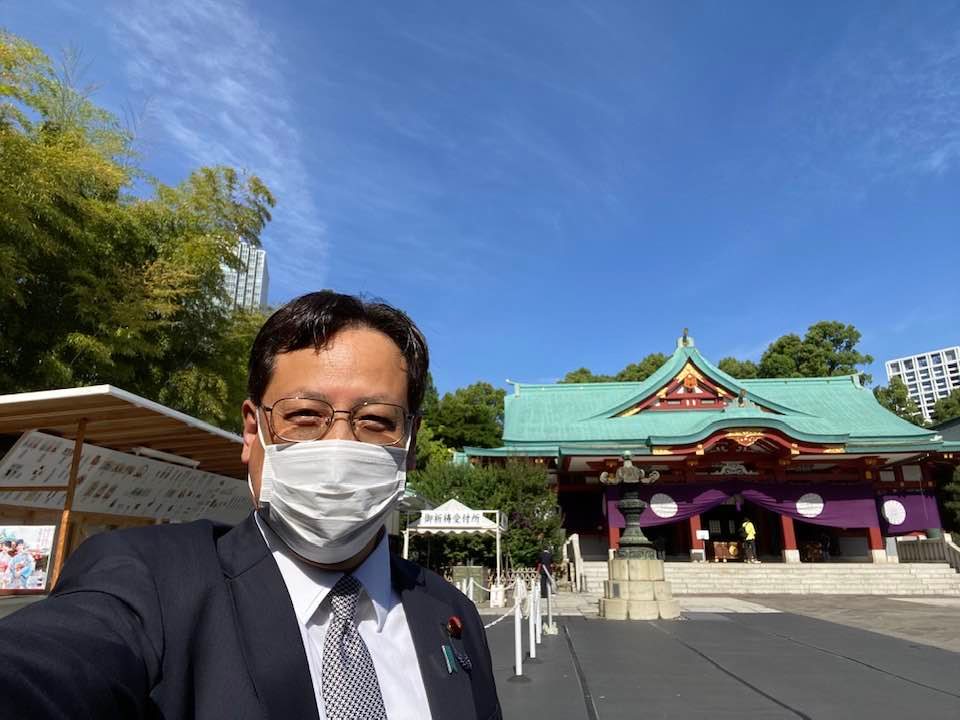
(116, 483)
(25, 556)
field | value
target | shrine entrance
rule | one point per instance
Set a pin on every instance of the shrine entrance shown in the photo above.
(723, 523)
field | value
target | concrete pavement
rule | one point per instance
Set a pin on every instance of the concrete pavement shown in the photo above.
(726, 661)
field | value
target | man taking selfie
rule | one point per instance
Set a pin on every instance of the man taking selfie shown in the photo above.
(299, 611)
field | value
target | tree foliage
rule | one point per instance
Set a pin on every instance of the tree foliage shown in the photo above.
(829, 348)
(895, 398)
(519, 489)
(430, 450)
(639, 371)
(431, 399)
(950, 497)
(101, 285)
(740, 369)
(469, 416)
(946, 408)
(584, 375)
(634, 372)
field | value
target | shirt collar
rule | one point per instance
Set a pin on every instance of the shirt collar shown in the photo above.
(308, 585)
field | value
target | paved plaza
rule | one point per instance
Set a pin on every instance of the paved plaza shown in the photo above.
(781, 657)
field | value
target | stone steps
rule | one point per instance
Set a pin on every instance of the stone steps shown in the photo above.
(778, 578)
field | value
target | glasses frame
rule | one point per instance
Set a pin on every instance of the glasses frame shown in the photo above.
(408, 418)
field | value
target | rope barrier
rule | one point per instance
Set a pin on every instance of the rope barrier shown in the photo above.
(507, 614)
(478, 585)
(517, 599)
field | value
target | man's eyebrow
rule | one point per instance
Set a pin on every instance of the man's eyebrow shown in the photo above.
(318, 395)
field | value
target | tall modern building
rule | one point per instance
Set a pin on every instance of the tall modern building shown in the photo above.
(928, 376)
(247, 287)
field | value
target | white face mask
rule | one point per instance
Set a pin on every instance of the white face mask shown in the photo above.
(326, 499)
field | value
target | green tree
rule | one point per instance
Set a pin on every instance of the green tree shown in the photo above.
(781, 358)
(470, 416)
(895, 398)
(584, 375)
(950, 495)
(636, 372)
(431, 399)
(829, 348)
(430, 450)
(519, 489)
(946, 408)
(101, 285)
(740, 369)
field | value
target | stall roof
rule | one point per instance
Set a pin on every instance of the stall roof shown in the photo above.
(123, 421)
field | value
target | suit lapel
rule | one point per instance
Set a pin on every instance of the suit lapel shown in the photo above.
(268, 627)
(449, 695)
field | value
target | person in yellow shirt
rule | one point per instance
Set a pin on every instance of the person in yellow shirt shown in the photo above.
(749, 534)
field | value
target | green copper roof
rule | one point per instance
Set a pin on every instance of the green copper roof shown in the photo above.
(819, 410)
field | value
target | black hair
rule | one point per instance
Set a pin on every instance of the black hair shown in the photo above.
(311, 320)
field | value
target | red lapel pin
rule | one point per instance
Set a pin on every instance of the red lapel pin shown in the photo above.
(455, 627)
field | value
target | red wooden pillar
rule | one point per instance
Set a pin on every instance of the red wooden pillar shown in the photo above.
(697, 546)
(610, 495)
(790, 552)
(613, 536)
(878, 548)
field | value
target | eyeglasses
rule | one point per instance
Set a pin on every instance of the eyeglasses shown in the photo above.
(305, 419)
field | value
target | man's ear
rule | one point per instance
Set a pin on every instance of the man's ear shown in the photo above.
(250, 437)
(412, 452)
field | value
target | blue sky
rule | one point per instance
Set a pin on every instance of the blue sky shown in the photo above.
(549, 185)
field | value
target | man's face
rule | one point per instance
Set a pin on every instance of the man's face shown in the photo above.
(358, 364)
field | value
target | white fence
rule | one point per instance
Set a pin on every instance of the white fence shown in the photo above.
(524, 575)
(929, 550)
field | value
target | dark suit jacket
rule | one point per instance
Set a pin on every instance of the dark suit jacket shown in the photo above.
(194, 621)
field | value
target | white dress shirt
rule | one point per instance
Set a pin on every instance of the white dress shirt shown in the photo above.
(380, 619)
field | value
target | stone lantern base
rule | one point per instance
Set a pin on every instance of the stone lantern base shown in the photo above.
(636, 590)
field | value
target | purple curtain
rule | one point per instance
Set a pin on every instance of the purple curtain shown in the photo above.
(907, 512)
(846, 506)
(669, 503)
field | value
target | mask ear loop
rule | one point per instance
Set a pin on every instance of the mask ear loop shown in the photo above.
(402, 474)
(266, 470)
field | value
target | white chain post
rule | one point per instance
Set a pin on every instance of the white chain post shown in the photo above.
(550, 629)
(470, 588)
(539, 622)
(517, 630)
(532, 623)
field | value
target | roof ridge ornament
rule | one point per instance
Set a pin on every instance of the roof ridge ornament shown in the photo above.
(686, 340)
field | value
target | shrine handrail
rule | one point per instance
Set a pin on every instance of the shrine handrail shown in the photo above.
(925, 550)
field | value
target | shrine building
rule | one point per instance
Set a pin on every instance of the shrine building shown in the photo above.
(824, 472)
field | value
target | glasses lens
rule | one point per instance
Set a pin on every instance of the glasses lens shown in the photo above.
(379, 424)
(298, 419)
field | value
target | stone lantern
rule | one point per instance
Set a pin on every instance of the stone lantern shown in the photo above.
(633, 543)
(636, 589)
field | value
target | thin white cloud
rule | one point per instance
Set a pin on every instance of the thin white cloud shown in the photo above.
(215, 79)
(886, 100)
